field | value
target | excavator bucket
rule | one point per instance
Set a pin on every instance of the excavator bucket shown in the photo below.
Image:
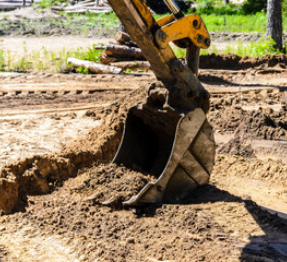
(167, 135)
(176, 148)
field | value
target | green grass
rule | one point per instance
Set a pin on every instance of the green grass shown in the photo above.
(253, 49)
(255, 23)
(44, 60)
(236, 23)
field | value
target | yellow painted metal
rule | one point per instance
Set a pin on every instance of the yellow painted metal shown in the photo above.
(191, 27)
(144, 12)
(165, 20)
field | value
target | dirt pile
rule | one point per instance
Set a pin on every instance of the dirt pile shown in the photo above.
(113, 184)
(41, 174)
(36, 175)
(235, 62)
(245, 122)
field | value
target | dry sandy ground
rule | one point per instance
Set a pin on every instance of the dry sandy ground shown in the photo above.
(27, 45)
(226, 221)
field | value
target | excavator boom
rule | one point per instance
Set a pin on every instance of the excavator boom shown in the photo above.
(167, 134)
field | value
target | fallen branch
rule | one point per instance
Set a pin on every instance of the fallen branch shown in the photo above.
(94, 67)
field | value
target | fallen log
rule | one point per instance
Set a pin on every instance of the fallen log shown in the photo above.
(106, 60)
(133, 65)
(94, 67)
(100, 47)
(122, 37)
(124, 52)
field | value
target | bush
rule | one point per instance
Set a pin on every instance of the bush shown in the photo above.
(254, 6)
(208, 7)
(159, 7)
(284, 7)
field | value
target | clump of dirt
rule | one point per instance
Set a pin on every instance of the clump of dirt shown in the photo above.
(236, 147)
(236, 62)
(113, 184)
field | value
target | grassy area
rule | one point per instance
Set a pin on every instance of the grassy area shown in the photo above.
(44, 60)
(236, 23)
(253, 49)
(49, 61)
(253, 23)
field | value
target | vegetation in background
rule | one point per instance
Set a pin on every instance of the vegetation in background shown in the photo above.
(236, 23)
(218, 17)
(253, 49)
(45, 60)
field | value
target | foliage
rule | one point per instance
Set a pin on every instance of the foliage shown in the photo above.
(209, 7)
(49, 3)
(284, 8)
(236, 23)
(254, 6)
(253, 49)
(2, 60)
(219, 8)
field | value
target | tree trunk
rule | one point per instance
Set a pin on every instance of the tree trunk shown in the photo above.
(274, 22)
(226, 2)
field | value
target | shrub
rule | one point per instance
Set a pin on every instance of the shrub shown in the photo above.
(254, 6)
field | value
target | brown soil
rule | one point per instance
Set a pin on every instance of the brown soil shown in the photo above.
(240, 216)
(235, 62)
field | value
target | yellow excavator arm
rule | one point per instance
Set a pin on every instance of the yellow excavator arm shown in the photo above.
(154, 37)
(167, 135)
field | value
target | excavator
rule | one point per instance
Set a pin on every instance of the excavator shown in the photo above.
(167, 134)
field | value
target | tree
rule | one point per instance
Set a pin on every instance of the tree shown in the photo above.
(274, 22)
(226, 2)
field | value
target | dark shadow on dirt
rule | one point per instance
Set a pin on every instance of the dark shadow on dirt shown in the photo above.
(266, 247)
(261, 248)
(21, 204)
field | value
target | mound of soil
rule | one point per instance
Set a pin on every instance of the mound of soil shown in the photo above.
(113, 184)
(41, 174)
(262, 123)
(235, 62)
(74, 219)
